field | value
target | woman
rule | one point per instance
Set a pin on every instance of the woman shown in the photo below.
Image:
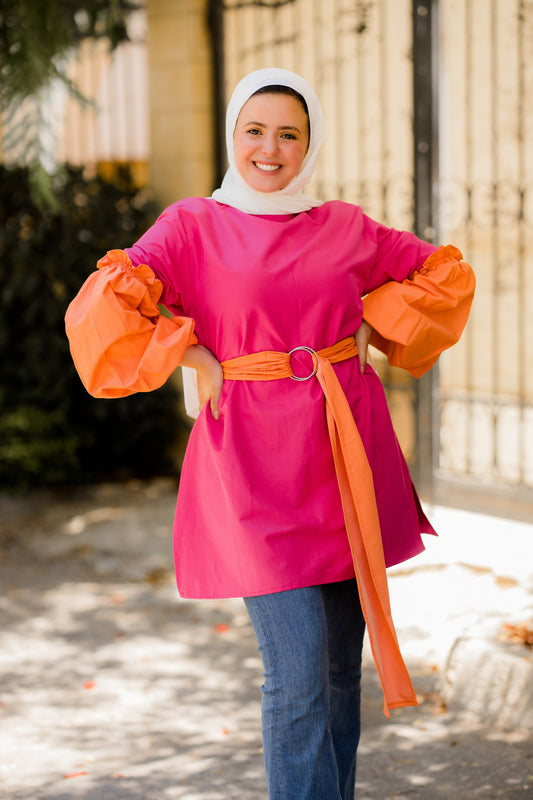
(294, 493)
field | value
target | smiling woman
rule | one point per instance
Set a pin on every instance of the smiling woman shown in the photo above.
(271, 139)
(294, 493)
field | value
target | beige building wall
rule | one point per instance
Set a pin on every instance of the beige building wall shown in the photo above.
(180, 90)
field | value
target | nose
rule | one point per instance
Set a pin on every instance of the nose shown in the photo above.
(270, 145)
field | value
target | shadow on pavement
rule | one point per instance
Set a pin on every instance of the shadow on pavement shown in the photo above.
(113, 687)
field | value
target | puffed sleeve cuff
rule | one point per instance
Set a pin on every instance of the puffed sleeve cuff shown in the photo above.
(119, 341)
(417, 319)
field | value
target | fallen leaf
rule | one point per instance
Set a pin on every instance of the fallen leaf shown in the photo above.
(518, 634)
(74, 774)
(222, 627)
(158, 576)
(89, 685)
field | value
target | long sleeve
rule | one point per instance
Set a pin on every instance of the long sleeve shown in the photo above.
(416, 319)
(119, 341)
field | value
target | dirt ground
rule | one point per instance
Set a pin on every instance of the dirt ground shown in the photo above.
(112, 687)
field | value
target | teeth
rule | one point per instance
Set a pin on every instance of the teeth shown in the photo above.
(267, 167)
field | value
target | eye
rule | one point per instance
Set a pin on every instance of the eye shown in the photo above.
(254, 131)
(288, 136)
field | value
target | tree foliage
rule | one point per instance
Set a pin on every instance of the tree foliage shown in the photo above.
(51, 430)
(36, 34)
(36, 38)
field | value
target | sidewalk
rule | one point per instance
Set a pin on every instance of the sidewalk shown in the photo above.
(475, 582)
(113, 688)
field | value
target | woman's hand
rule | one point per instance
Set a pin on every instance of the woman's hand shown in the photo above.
(210, 382)
(362, 339)
(209, 376)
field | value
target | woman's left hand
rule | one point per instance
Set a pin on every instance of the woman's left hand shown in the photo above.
(362, 339)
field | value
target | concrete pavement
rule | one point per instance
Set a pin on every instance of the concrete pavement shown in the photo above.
(112, 687)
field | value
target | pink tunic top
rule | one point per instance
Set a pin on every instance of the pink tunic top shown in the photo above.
(258, 508)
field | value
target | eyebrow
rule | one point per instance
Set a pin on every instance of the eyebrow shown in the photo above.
(281, 127)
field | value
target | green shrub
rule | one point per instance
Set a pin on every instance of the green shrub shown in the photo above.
(51, 431)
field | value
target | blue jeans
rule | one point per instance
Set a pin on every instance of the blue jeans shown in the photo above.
(310, 641)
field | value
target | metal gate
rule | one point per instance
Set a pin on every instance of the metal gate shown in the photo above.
(484, 403)
(456, 165)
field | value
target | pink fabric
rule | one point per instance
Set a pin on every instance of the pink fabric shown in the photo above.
(258, 507)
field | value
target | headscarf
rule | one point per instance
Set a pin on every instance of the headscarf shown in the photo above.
(235, 191)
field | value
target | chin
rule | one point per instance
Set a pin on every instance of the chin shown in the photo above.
(264, 189)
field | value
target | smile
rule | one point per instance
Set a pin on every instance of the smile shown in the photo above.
(267, 167)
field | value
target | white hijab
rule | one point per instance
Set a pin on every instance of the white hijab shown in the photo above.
(235, 191)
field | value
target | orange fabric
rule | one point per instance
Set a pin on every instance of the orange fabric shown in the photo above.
(356, 487)
(120, 343)
(415, 320)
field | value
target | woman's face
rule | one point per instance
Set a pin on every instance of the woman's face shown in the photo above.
(270, 141)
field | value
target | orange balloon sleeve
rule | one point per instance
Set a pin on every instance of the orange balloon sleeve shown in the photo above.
(416, 320)
(119, 341)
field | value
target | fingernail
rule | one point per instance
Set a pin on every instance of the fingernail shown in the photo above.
(216, 414)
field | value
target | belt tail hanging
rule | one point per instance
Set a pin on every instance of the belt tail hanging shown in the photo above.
(362, 524)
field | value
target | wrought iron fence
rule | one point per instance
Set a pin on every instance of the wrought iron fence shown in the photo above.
(485, 395)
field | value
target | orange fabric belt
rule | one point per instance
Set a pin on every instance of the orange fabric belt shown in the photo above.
(356, 487)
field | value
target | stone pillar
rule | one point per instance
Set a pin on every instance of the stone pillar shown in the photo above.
(181, 114)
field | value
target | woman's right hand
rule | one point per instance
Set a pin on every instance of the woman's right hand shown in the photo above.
(209, 376)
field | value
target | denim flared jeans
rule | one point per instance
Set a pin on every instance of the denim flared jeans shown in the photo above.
(310, 641)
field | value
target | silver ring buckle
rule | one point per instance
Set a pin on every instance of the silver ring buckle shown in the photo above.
(315, 363)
